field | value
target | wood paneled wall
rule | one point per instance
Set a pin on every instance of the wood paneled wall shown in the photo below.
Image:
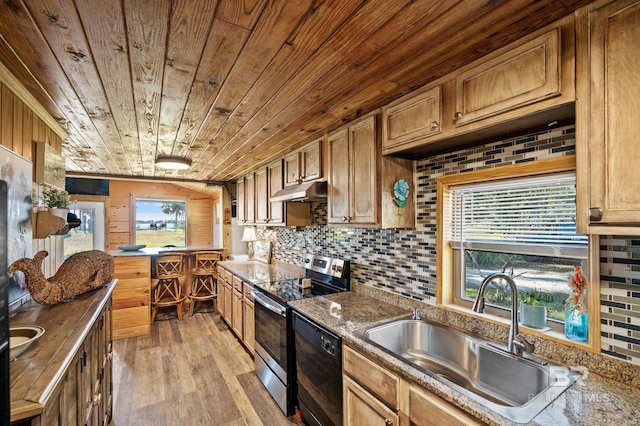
(20, 129)
(123, 194)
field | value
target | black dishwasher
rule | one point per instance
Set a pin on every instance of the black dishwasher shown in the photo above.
(319, 372)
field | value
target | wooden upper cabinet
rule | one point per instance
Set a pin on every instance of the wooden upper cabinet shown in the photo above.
(262, 195)
(338, 189)
(275, 183)
(607, 127)
(311, 161)
(527, 73)
(412, 117)
(363, 154)
(524, 85)
(360, 190)
(241, 212)
(304, 164)
(250, 198)
(292, 169)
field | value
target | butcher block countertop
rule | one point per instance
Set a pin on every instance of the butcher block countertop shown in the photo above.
(35, 373)
(592, 400)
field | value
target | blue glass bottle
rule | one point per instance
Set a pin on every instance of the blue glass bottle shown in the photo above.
(576, 322)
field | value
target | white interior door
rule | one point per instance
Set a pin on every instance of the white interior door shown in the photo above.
(90, 234)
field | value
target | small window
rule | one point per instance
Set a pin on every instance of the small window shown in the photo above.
(161, 223)
(523, 227)
(519, 220)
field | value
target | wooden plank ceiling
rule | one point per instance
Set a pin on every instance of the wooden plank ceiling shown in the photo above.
(233, 84)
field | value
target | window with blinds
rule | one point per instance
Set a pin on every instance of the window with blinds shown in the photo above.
(528, 216)
(524, 227)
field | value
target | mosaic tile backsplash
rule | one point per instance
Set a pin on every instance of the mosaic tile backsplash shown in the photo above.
(403, 261)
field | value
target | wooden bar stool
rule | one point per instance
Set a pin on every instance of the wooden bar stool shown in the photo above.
(168, 292)
(205, 278)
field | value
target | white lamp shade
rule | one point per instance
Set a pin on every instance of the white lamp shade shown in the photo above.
(249, 234)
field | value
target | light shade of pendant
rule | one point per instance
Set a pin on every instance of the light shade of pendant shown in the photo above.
(172, 163)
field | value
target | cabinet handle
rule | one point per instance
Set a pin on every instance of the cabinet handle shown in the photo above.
(345, 218)
(595, 214)
(388, 422)
(434, 125)
(457, 116)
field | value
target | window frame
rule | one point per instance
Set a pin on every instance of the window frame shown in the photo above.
(160, 200)
(445, 294)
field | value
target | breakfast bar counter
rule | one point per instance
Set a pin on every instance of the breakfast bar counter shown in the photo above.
(132, 296)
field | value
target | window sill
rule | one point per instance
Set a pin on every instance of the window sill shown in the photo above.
(550, 335)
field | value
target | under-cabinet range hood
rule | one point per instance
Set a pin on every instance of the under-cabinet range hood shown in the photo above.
(310, 191)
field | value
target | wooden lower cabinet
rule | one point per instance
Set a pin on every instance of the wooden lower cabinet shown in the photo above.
(236, 307)
(424, 408)
(84, 396)
(248, 318)
(374, 395)
(228, 306)
(237, 316)
(132, 296)
(363, 409)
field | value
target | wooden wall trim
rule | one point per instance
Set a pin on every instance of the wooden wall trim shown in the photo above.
(13, 84)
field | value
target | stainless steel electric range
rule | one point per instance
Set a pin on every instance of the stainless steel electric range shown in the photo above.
(275, 354)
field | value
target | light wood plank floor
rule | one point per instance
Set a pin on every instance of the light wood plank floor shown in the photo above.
(189, 372)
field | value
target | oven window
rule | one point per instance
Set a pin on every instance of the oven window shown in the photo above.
(271, 333)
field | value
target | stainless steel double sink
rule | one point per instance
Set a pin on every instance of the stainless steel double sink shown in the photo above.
(512, 386)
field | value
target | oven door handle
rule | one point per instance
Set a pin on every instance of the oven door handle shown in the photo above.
(269, 304)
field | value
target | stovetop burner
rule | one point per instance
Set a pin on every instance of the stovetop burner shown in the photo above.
(327, 276)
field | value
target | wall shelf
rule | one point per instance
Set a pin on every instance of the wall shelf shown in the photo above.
(46, 223)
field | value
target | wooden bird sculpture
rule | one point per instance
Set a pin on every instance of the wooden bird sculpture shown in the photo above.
(78, 274)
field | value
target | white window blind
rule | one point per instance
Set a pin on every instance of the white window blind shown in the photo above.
(529, 216)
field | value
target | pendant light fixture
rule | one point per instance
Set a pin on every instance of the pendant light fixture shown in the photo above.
(172, 162)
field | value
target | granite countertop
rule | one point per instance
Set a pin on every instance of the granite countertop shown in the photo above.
(592, 400)
(259, 272)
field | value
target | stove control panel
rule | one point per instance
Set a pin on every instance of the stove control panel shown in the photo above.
(326, 265)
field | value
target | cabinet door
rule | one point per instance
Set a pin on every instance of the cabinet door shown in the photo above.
(222, 273)
(250, 198)
(63, 408)
(526, 74)
(363, 156)
(424, 407)
(292, 169)
(241, 213)
(417, 117)
(371, 376)
(262, 195)
(228, 295)
(107, 368)
(608, 85)
(363, 409)
(338, 188)
(276, 183)
(249, 321)
(311, 161)
(237, 315)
